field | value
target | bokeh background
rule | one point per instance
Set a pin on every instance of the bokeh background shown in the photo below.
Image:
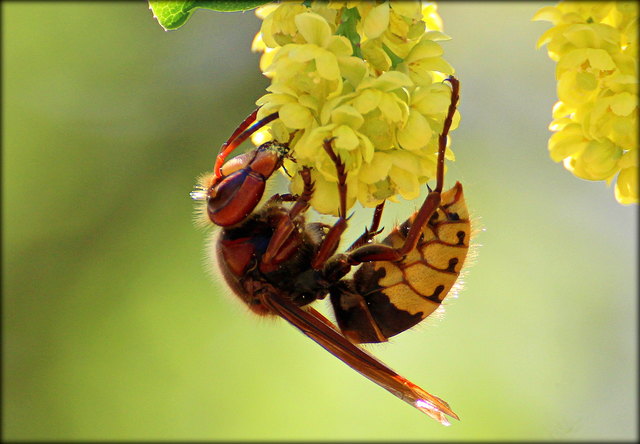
(112, 328)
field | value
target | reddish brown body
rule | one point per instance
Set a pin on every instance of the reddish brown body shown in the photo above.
(234, 196)
(277, 263)
(380, 301)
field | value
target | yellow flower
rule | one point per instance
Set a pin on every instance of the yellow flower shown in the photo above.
(425, 59)
(303, 74)
(395, 27)
(376, 21)
(368, 76)
(278, 26)
(626, 189)
(376, 56)
(595, 120)
(597, 161)
(430, 16)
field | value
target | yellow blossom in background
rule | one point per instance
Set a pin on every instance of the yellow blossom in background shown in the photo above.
(369, 76)
(595, 45)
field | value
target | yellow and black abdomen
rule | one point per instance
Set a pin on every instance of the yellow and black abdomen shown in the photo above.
(387, 298)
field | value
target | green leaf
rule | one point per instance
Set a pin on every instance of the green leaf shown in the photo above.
(349, 21)
(395, 60)
(171, 14)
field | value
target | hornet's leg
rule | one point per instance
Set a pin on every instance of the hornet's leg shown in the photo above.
(277, 198)
(332, 239)
(240, 135)
(370, 233)
(285, 239)
(380, 252)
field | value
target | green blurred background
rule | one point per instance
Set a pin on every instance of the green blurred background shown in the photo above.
(112, 328)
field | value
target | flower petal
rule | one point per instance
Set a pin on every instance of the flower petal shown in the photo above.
(347, 115)
(314, 28)
(327, 65)
(406, 183)
(424, 49)
(295, 116)
(345, 138)
(626, 189)
(568, 142)
(416, 133)
(377, 21)
(624, 103)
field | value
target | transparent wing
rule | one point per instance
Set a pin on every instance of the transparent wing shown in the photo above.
(321, 330)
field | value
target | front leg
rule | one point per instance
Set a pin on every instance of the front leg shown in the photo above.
(242, 133)
(279, 198)
(286, 238)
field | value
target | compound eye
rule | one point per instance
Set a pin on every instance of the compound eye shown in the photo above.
(234, 198)
(223, 192)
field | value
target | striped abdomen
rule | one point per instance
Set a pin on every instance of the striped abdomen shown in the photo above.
(387, 298)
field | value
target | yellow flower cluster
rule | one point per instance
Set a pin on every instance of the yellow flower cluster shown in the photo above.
(367, 74)
(595, 45)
